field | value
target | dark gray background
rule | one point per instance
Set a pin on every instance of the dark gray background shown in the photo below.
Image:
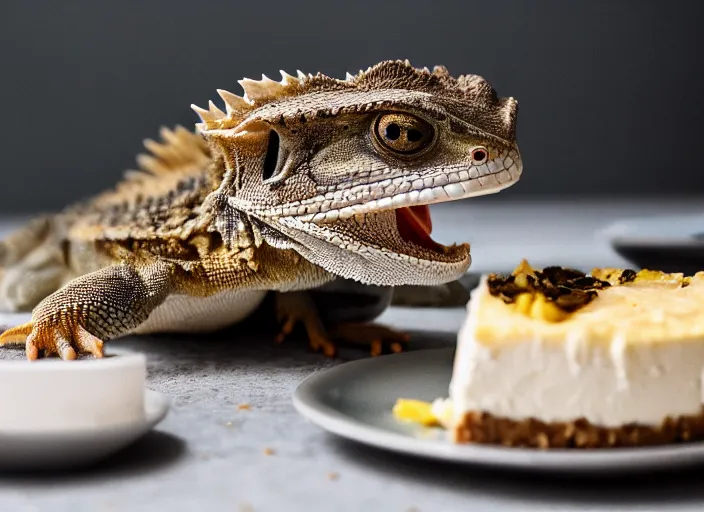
(610, 92)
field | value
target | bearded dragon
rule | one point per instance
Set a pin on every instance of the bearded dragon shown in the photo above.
(306, 183)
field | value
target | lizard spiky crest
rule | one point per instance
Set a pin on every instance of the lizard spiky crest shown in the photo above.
(167, 184)
(470, 93)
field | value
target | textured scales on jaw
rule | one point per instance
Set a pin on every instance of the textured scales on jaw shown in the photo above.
(494, 116)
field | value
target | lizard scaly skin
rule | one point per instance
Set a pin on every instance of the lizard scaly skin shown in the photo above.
(310, 183)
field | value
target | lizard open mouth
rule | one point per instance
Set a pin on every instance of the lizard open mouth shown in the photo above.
(386, 247)
(415, 226)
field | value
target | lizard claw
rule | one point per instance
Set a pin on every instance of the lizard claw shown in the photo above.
(52, 338)
(295, 307)
(379, 338)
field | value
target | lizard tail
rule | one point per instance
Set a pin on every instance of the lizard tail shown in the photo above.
(31, 265)
(18, 244)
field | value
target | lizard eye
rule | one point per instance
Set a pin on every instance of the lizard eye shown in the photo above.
(402, 134)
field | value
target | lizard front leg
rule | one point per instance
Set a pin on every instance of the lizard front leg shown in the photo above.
(92, 309)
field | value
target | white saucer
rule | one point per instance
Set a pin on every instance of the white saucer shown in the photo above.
(58, 414)
(64, 449)
(354, 400)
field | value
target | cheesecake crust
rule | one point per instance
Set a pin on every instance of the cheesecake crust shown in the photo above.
(484, 428)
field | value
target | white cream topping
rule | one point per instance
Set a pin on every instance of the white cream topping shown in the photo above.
(609, 384)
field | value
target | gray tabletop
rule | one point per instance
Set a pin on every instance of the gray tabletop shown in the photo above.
(208, 454)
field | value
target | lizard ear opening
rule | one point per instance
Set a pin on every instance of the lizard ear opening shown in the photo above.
(271, 160)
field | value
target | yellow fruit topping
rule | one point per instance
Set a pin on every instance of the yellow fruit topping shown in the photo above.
(542, 309)
(415, 411)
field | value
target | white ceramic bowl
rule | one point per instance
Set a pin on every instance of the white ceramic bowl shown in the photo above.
(51, 395)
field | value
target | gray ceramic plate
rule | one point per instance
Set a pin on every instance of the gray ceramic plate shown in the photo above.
(354, 400)
(673, 243)
(63, 450)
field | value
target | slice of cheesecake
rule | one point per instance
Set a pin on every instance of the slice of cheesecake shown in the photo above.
(557, 358)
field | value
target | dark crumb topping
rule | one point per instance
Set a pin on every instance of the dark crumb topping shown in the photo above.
(627, 276)
(552, 294)
(566, 288)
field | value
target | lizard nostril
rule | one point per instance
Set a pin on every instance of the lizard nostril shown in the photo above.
(479, 156)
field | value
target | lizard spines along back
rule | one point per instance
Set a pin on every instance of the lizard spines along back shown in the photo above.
(160, 198)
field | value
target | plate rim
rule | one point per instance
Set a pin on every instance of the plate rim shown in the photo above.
(306, 402)
(658, 242)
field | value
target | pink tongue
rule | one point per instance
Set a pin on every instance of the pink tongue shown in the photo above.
(421, 217)
(415, 225)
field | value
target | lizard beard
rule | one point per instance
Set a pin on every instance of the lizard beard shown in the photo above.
(373, 250)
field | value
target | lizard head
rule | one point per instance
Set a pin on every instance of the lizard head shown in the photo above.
(343, 171)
